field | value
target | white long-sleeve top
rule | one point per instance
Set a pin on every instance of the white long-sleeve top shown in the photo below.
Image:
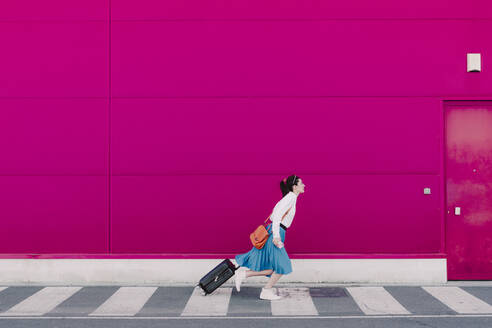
(288, 201)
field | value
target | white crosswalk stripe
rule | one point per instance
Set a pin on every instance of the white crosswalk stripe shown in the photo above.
(459, 300)
(41, 302)
(376, 300)
(126, 301)
(215, 304)
(2, 288)
(296, 301)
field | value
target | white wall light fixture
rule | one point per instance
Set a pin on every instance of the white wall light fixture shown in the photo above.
(473, 63)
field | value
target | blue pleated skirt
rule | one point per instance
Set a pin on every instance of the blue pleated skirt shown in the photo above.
(270, 257)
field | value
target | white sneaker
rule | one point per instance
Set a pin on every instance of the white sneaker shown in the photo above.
(269, 294)
(240, 277)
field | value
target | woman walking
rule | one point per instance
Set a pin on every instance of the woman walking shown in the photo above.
(272, 260)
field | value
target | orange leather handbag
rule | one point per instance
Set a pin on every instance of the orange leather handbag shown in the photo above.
(260, 236)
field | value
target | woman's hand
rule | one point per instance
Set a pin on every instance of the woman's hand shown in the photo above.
(278, 242)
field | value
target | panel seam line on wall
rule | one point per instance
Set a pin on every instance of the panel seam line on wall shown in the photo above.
(164, 20)
(109, 127)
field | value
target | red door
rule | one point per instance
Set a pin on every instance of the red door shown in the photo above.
(468, 127)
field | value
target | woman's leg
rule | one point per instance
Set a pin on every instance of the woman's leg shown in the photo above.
(251, 273)
(273, 280)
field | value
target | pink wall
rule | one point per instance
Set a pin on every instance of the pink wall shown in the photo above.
(123, 121)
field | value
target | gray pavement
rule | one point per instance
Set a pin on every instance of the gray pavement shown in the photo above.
(451, 305)
(322, 322)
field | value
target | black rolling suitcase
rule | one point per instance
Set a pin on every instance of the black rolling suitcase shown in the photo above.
(219, 275)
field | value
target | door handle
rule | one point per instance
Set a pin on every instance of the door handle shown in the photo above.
(457, 211)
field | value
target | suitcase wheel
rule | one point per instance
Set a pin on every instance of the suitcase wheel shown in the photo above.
(202, 292)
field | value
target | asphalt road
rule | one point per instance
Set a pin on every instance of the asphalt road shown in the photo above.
(158, 306)
(321, 322)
